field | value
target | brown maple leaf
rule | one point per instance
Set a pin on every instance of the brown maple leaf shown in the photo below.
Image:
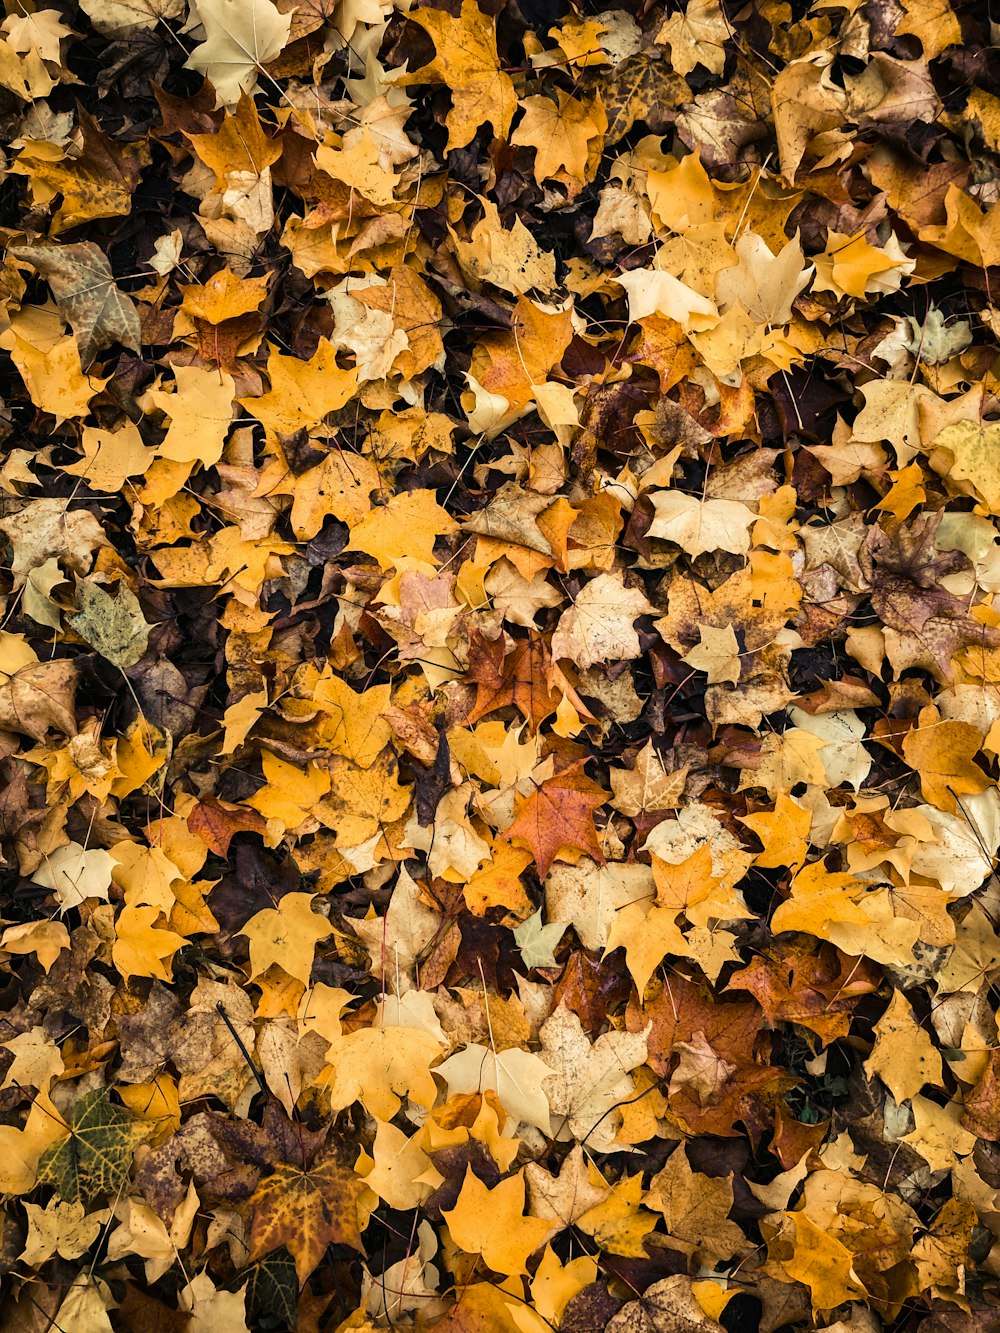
(306, 1211)
(217, 822)
(906, 569)
(817, 988)
(521, 677)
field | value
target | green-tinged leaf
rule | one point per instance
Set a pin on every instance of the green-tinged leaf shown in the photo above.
(94, 1158)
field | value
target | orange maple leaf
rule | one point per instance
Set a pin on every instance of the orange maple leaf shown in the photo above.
(559, 816)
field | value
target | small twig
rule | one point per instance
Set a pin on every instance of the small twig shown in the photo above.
(243, 1050)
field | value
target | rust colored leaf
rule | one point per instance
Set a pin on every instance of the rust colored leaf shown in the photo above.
(306, 1211)
(558, 816)
(217, 823)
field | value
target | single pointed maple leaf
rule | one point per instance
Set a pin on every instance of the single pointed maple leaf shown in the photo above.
(302, 393)
(379, 1065)
(562, 135)
(60, 1228)
(466, 61)
(403, 530)
(200, 411)
(850, 266)
(589, 1081)
(141, 949)
(95, 1156)
(941, 752)
(592, 987)
(490, 1223)
(286, 935)
(599, 626)
(84, 288)
(217, 822)
(648, 928)
(637, 89)
(498, 883)
(306, 1210)
(665, 348)
(558, 816)
(239, 144)
(240, 37)
(904, 1056)
(45, 939)
(522, 678)
(820, 897)
(821, 1262)
(696, 1210)
(784, 831)
(564, 1198)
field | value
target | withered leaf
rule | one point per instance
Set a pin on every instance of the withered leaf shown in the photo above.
(86, 292)
(306, 1211)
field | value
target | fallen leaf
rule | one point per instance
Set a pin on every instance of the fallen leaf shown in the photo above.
(307, 1211)
(556, 818)
(490, 1223)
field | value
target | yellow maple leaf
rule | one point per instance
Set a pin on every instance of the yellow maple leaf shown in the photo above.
(975, 448)
(851, 266)
(904, 1057)
(51, 369)
(156, 1102)
(565, 135)
(238, 145)
(200, 411)
(45, 939)
(498, 883)
(141, 949)
(224, 296)
(401, 534)
(649, 930)
(941, 753)
(934, 22)
(21, 1149)
(554, 1284)
(377, 1066)
(111, 456)
(466, 61)
(784, 831)
(354, 725)
(291, 794)
(141, 752)
(491, 1223)
(363, 802)
(302, 393)
(819, 899)
(286, 935)
(822, 1263)
(696, 37)
(340, 486)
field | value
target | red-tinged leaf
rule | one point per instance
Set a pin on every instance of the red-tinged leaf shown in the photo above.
(217, 822)
(558, 816)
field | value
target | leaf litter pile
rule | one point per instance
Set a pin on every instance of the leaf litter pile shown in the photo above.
(499, 666)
